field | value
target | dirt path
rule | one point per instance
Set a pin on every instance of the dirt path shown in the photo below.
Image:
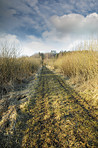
(55, 117)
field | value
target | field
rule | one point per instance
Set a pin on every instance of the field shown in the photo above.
(55, 116)
(14, 69)
(80, 69)
(50, 105)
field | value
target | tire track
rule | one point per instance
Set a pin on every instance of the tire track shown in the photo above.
(58, 118)
(81, 116)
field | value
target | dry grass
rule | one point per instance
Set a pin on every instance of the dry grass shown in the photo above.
(50, 114)
(13, 68)
(81, 70)
(58, 119)
(80, 64)
(87, 90)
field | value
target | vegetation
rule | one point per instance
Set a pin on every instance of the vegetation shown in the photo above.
(53, 110)
(80, 68)
(55, 116)
(81, 64)
(13, 68)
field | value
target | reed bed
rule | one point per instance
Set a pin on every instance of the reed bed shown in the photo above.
(13, 68)
(82, 64)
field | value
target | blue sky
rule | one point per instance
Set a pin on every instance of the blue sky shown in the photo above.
(44, 25)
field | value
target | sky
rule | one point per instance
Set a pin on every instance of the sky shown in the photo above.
(45, 25)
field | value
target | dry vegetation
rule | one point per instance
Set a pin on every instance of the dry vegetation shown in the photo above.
(81, 70)
(81, 64)
(54, 116)
(50, 111)
(15, 69)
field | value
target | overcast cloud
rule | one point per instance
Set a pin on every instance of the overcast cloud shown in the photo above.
(43, 25)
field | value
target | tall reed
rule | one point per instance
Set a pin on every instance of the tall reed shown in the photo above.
(81, 64)
(13, 67)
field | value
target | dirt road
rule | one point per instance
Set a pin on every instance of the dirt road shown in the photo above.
(55, 117)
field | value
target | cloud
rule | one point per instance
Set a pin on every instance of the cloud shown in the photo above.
(75, 23)
(44, 25)
(69, 30)
(9, 39)
(15, 15)
(10, 42)
(28, 47)
(35, 45)
(69, 27)
(31, 3)
(35, 14)
(67, 23)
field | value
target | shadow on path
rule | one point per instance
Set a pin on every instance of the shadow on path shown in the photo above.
(56, 116)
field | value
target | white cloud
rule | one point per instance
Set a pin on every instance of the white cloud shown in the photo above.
(29, 47)
(34, 14)
(32, 44)
(75, 23)
(64, 32)
(69, 30)
(9, 39)
(35, 45)
(10, 42)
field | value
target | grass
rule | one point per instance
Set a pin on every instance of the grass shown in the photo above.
(80, 68)
(13, 68)
(54, 116)
(80, 64)
(58, 120)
